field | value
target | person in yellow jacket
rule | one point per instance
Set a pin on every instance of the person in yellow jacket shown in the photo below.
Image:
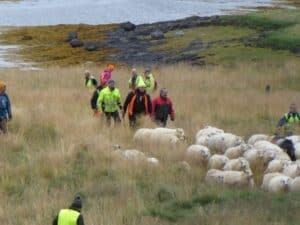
(71, 215)
(289, 122)
(90, 81)
(109, 101)
(135, 79)
(151, 84)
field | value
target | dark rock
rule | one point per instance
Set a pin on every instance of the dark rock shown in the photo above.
(26, 37)
(295, 50)
(72, 35)
(156, 35)
(128, 26)
(90, 46)
(75, 43)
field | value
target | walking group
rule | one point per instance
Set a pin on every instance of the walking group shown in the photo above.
(106, 98)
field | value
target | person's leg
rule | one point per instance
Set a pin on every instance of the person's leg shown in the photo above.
(132, 121)
(3, 126)
(108, 118)
(116, 117)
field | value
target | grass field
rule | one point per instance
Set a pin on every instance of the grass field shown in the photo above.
(56, 148)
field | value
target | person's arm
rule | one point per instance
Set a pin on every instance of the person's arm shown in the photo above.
(94, 100)
(100, 100)
(9, 108)
(282, 122)
(80, 220)
(127, 101)
(95, 82)
(171, 110)
(55, 221)
(149, 104)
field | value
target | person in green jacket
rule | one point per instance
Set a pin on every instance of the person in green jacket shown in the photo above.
(289, 122)
(149, 80)
(134, 80)
(90, 81)
(109, 101)
(70, 216)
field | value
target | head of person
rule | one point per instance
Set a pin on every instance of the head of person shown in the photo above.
(110, 67)
(87, 73)
(2, 86)
(141, 87)
(111, 84)
(133, 72)
(77, 203)
(147, 71)
(163, 93)
(293, 108)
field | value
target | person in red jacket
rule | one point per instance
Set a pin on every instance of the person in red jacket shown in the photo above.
(162, 107)
(106, 75)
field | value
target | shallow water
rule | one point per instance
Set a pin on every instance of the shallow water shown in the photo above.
(50, 12)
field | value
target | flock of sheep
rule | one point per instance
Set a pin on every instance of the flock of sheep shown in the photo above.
(228, 158)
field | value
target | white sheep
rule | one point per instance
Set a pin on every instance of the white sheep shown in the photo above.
(292, 170)
(214, 176)
(295, 185)
(153, 161)
(220, 142)
(240, 164)
(229, 178)
(198, 153)
(277, 165)
(208, 131)
(282, 156)
(294, 138)
(253, 156)
(163, 139)
(266, 146)
(297, 150)
(217, 161)
(266, 179)
(279, 184)
(178, 132)
(133, 154)
(141, 134)
(237, 151)
(202, 140)
(257, 137)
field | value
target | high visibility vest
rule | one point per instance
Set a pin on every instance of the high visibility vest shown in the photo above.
(291, 121)
(131, 105)
(68, 217)
(110, 99)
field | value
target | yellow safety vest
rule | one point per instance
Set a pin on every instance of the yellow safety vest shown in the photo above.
(289, 127)
(67, 217)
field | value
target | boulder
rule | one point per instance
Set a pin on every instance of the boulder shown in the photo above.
(75, 43)
(156, 35)
(179, 33)
(90, 46)
(72, 35)
(128, 26)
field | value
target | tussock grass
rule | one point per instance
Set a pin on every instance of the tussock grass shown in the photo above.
(56, 148)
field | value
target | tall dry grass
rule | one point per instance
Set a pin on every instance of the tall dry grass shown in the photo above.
(56, 148)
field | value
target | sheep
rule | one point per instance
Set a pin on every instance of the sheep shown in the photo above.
(214, 176)
(257, 137)
(294, 138)
(266, 146)
(292, 170)
(237, 151)
(208, 131)
(253, 156)
(240, 164)
(141, 135)
(229, 178)
(217, 161)
(178, 132)
(133, 154)
(152, 161)
(220, 142)
(198, 153)
(282, 156)
(297, 150)
(163, 139)
(295, 185)
(266, 179)
(202, 140)
(279, 184)
(277, 165)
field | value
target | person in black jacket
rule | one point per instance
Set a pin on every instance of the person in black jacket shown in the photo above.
(137, 103)
(70, 216)
(94, 100)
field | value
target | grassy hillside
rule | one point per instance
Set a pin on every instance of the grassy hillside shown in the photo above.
(56, 148)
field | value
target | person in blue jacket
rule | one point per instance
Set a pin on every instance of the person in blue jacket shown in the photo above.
(5, 109)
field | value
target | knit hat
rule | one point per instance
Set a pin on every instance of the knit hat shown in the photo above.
(2, 84)
(111, 81)
(76, 204)
(110, 67)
